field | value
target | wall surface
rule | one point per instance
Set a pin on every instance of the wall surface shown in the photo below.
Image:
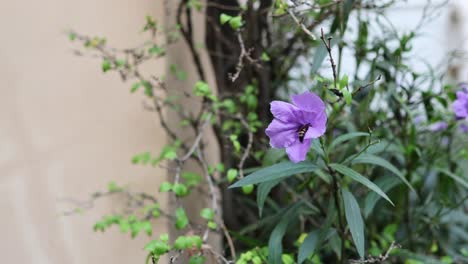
(67, 130)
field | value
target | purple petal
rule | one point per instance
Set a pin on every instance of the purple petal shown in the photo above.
(297, 152)
(281, 134)
(460, 106)
(318, 126)
(309, 102)
(283, 111)
(464, 127)
(419, 119)
(438, 126)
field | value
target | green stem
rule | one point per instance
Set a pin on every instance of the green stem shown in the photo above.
(336, 193)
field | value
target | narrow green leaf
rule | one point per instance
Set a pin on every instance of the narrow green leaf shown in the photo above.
(346, 137)
(355, 222)
(406, 254)
(343, 82)
(317, 147)
(275, 247)
(272, 156)
(375, 160)
(308, 247)
(386, 184)
(455, 177)
(262, 193)
(347, 96)
(319, 56)
(277, 171)
(359, 178)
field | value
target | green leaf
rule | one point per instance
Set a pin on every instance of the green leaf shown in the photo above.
(197, 260)
(158, 247)
(308, 247)
(248, 189)
(120, 63)
(386, 184)
(406, 254)
(223, 18)
(135, 87)
(156, 50)
(181, 243)
(106, 65)
(113, 187)
(347, 96)
(343, 82)
(181, 218)
(191, 178)
(124, 226)
(359, 178)
(202, 89)
(231, 175)
(164, 237)
(346, 137)
(455, 177)
(275, 247)
(265, 57)
(262, 193)
(272, 156)
(72, 36)
(180, 189)
(235, 22)
(165, 187)
(355, 222)
(135, 228)
(320, 54)
(277, 171)
(207, 213)
(375, 160)
(146, 225)
(212, 225)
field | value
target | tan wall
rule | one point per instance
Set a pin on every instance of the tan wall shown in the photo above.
(66, 130)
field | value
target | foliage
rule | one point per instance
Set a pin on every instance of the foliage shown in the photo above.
(382, 183)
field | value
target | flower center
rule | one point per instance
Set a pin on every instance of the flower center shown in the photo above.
(301, 131)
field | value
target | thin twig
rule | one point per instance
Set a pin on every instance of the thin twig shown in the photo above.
(240, 166)
(244, 55)
(301, 25)
(381, 258)
(327, 44)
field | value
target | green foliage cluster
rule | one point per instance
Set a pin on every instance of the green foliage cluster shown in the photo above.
(378, 186)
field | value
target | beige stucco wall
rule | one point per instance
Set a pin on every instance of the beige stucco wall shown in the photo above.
(66, 130)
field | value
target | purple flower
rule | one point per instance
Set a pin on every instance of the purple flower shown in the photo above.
(460, 106)
(464, 127)
(438, 126)
(294, 125)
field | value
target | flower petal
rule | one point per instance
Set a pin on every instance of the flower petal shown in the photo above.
(297, 152)
(460, 106)
(318, 125)
(438, 126)
(283, 111)
(281, 134)
(464, 127)
(309, 102)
